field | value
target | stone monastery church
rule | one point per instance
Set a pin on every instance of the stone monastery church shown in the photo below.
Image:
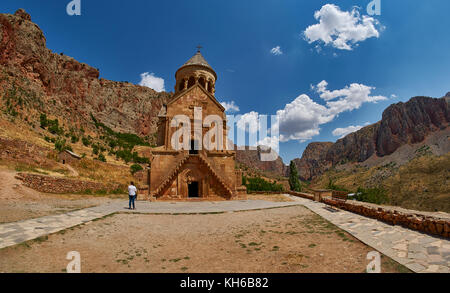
(193, 172)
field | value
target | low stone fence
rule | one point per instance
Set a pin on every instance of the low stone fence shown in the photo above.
(414, 221)
(267, 192)
(422, 223)
(49, 184)
(301, 194)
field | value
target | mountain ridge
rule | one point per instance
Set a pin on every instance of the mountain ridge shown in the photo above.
(402, 123)
(62, 87)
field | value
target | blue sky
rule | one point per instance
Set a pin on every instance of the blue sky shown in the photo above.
(407, 57)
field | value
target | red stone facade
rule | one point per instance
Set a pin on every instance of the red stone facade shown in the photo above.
(201, 173)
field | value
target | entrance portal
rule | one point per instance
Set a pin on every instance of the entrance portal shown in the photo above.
(193, 189)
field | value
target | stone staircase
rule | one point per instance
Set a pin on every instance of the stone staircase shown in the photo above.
(176, 170)
(218, 178)
(171, 176)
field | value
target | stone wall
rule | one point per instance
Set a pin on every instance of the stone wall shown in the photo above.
(419, 222)
(300, 194)
(23, 152)
(49, 184)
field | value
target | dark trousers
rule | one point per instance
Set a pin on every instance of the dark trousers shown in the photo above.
(132, 198)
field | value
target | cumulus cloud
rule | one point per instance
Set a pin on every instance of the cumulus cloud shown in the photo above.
(346, 99)
(152, 81)
(342, 132)
(249, 122)
(230, 106)
(341, 29)
(301, 119)
(276, 51)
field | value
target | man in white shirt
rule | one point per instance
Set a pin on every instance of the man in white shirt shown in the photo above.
(132, 193)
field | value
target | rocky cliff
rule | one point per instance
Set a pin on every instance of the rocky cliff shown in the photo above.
(402, 123)
(313, 160)
(252, 159)
(411, 122)
(34, 80)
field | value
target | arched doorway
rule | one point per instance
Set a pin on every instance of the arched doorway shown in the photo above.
(193, 190)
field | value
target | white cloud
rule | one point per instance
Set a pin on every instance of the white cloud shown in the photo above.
(230, 106)
(346, 99)
(276, 51)
(341, 29)
(271, 142)
(301, 119)
(249, 122)
(342, 132)
(152, 81)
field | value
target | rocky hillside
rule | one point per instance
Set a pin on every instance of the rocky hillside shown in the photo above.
(252, 159)
(402, 124)
(313, 160)
(34, 80)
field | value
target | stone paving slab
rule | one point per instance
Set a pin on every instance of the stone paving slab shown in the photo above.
(204, 206)
(18, 232)
(417, 251)
(421, 253)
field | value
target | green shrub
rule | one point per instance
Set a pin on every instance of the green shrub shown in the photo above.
(124, 155)
(259, 184)
(95, 149)
(74, 138)
(85, 141)
(43, 121)
(294, 182)
(102, 158)
(53, 127)
(372, 195)
(112, 144)
(332, 186)
(60, 145)
(139, 160)
(135, 168)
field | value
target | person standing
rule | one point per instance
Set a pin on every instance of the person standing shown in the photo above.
(132, 193)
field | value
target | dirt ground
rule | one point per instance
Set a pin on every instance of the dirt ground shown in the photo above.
(282, 240)
(18, 202)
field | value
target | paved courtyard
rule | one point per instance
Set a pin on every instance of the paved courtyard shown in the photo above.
(417, 251)
(18, 232)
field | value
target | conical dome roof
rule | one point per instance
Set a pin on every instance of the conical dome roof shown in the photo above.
(198, 60)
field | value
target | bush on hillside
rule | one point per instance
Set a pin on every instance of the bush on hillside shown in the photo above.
(135, 168)
(259, 184)
(372, 195)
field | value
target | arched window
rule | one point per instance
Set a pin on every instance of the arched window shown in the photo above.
(210, 87)
(191, 82)
(202, 82)
(181, 86)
